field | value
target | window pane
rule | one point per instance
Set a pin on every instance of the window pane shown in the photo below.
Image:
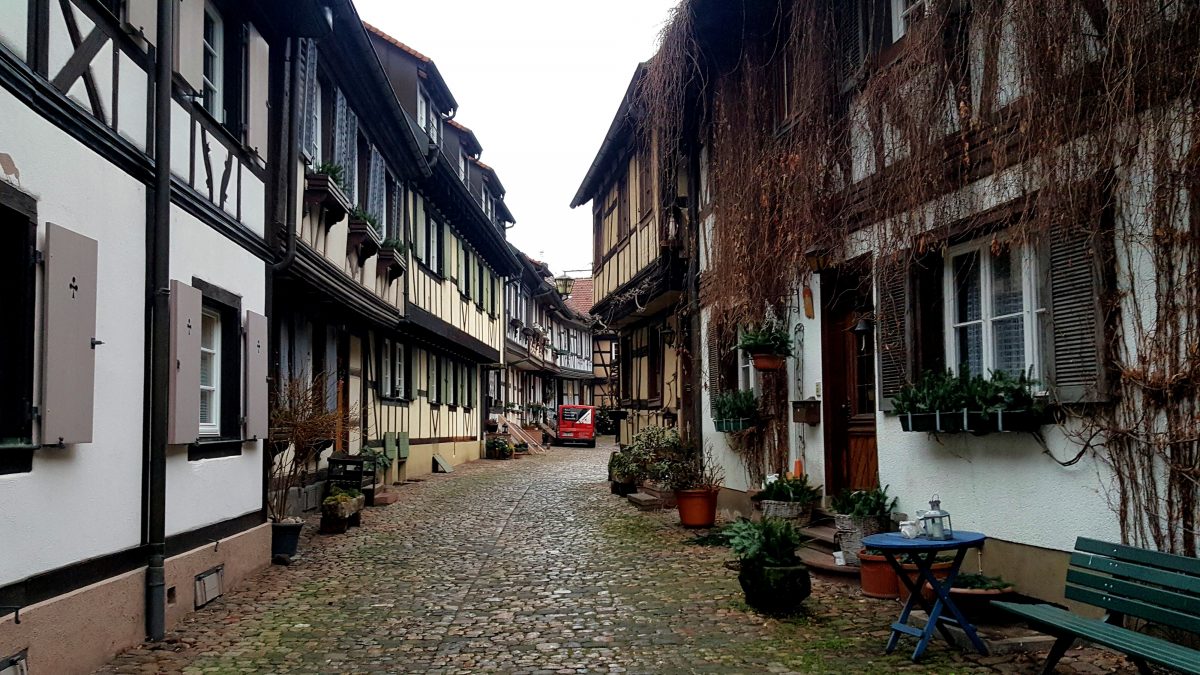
(1006, 284)
(970, 349)
(206, 407)
(206, 369)
(208, 331)
(1008, 336)
(966, 288)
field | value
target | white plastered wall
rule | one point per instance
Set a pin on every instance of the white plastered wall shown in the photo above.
(207, 491)
(84, 500)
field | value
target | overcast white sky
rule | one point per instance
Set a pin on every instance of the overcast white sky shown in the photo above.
(538, 81)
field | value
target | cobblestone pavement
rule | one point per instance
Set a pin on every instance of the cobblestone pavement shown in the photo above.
(530, 565)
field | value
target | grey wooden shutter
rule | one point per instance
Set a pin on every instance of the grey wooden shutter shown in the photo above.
(377, 189)
(255, 425)
(848, 27)
(183, 423)
(714, 361)
(258, 68)
(190, 42)
(346, 145)
(1077, 258)
(892, 318)
(70, 357)
(312, 102)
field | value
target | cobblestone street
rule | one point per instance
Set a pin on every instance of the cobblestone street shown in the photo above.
(532, 566)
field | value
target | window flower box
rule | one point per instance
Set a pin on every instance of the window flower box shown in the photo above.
(321, 191)
(363, 237)
(391, 261)
(976, 422)
(733, 424)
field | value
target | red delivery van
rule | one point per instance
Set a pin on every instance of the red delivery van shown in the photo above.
(577, 423)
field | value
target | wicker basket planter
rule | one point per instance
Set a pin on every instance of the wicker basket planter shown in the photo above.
(852, 529)
(798, 512)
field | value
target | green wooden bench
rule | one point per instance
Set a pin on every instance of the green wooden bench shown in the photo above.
(1125, 581)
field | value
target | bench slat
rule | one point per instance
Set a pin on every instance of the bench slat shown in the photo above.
(1127, 570)
(1135, 591)
(1167, 617)
(1166, 561)
(1058, 621)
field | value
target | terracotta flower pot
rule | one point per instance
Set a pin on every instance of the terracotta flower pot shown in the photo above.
(878, 578)
(769, 361)
(697, 508)
(941, 570)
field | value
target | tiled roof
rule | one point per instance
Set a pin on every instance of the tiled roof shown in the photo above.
(459, 126)
(412, 52)
(582, 296)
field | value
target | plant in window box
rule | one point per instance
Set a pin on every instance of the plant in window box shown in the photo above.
(734, 410)
(933, 403)
(391, 258)
(769, 345)
(323, 189)
(301, 427)
(363, 237)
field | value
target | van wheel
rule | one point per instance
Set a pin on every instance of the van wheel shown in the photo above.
(591, 443)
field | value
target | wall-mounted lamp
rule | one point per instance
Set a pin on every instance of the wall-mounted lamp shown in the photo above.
(668, 337)
(564, 285)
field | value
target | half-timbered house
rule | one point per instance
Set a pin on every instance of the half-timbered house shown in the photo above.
(638, 268)
(138, 210)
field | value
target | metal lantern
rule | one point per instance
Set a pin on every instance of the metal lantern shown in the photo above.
(936, 522)
(564, 285)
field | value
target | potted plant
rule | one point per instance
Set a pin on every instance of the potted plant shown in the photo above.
(771, 575)
(622, 472)
(949, 403)
(339, 509)
(859, 514)
(941, 567)
(974, 593)
(492, 425)
(391, 258)
(790, 498)
(769, 345)
(734, 410)
(323, 190)
(877, 576)
(301, 427)
(363, 236)
(521, 449)
(696, 480)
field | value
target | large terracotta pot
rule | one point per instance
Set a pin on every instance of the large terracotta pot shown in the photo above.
(878, 578)
(941, 570)
(697, 508)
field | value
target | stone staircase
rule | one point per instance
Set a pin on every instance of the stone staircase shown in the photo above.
(817, 552)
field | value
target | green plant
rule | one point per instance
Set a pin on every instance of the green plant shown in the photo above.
(335, 171)
(790, 490)
(981, 582)
(946, 392)
(606, 424)
(770, 542)
(395, 244)
(864, 503)
(359, 213)
(690, 470)
(736, 404)
(338, 491)
(769, 338)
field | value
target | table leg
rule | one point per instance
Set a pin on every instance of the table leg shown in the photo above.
(945, 602)
(925, 575)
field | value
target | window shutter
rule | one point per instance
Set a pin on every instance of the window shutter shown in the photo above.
(312, 102)
(258, 68)
(892, 320)
(256, 422)
(377, 190)
(714, 361)
(1078, 256)
(848, 27)
(183, 423)
(346, 142)
(190, 43)
(70, 358)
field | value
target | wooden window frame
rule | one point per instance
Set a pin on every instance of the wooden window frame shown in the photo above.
(18, 231)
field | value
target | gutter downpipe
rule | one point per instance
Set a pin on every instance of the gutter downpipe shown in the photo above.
(160, 327)
(293, 149)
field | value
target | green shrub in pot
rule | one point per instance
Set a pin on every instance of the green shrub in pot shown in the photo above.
(771, 575)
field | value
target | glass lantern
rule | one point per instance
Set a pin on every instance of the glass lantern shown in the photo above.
(936, 522)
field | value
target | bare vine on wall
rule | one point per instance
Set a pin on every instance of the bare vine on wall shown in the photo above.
(1040, 100)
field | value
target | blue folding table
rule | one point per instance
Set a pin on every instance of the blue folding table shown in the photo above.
(922, 553)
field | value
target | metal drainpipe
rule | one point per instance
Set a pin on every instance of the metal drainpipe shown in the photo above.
(293, 156)
(160, 326)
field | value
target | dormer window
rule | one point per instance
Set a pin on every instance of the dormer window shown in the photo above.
(462, 167)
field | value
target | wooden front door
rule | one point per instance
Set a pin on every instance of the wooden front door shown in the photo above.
(851, 460)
